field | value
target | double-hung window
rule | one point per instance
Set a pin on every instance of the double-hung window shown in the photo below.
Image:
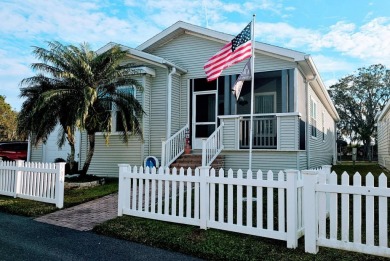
(117, 125)
(313, 118)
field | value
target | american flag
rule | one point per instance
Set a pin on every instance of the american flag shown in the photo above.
(239, 49)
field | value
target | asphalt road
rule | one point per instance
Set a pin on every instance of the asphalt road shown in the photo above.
(23, 238)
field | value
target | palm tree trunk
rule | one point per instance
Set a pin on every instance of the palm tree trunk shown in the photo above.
(91, 150)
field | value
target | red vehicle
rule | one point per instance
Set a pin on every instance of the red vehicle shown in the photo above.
(15, 150)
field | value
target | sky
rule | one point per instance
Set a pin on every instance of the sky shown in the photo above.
(341, 36)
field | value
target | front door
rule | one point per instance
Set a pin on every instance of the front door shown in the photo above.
(204, 116)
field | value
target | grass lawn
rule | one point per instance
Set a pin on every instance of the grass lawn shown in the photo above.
(72, 197)
(214, 244)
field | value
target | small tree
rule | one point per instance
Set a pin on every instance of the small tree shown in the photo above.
(358, 98)
(7, 122)
(76, 87)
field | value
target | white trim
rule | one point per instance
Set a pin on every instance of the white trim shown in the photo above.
(284, 114)
(384, 111)
(139, 54)
(194, 123)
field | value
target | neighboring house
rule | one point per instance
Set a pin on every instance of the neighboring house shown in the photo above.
(294, 121)
(383, 129)
(50, 151)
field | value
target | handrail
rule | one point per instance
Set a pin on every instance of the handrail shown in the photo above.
(212, 146)
(173, 147)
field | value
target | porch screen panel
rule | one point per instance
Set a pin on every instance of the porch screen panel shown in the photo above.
(264, 104)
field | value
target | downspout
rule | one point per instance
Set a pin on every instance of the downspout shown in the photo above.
(169, 116)
(308, 134)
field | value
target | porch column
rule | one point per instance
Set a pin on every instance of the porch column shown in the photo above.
(226, 97)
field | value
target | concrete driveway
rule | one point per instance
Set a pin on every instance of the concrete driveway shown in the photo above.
(23, 238)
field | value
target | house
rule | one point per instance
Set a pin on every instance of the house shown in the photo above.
(383, 130)
(294, 122)
(49, 151)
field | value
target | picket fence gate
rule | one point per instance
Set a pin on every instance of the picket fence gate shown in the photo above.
(32, 180)
(354, 204)
(245, 202)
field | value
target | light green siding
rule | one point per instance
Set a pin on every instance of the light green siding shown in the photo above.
(230, 133)
(192, 52)
(36, 153)
(158, 115)
(384, 140)
(107, 157)
(147, 109)
(263, 160)
(176, 102)
(321, 148)
(288, 131)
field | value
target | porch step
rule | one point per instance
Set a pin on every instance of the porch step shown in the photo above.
(195, 160)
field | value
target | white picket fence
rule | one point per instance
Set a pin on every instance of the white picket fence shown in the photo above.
(245, 203)
(32, 180)
(325, 230)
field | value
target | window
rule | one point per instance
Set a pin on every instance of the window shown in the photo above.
(265, 102)
(313, 117)
(117, 125)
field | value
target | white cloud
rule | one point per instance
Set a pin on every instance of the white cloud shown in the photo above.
(327, 64)
(370, 41)
(72, 21)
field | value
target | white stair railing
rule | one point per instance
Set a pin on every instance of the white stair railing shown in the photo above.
(173, 147)
(212, 146)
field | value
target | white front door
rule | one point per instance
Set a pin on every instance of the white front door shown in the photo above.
(204, 116)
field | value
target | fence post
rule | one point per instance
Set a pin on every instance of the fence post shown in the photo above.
(60, 179)
(18, 178)
(326, 169)
(310, 178)
(163, 156)
(204, 196)
(123, 188)
(292, 208)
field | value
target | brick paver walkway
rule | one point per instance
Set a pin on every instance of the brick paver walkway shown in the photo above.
(85, 216)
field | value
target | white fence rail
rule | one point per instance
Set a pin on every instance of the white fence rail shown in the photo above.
(173, 147)
(36, 181)
(244, 203)
(212, 146)
(353, 207)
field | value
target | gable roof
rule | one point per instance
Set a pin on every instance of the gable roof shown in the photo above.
(181, 27)
(142, 55)
(383, 112)
(305, 62)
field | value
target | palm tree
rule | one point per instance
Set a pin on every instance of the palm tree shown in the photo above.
(77, 87)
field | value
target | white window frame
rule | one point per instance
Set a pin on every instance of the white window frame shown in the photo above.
(266, 94)
(313, 118)
(114, 113)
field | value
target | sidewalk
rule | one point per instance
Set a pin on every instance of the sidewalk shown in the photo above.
(85, 216)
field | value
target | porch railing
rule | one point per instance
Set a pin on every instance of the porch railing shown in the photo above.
(264, 132)
(212, 146)
(173, 147)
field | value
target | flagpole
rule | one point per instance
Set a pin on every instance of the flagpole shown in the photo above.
(252, 92)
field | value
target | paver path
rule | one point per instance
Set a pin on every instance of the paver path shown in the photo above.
(85, 216)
